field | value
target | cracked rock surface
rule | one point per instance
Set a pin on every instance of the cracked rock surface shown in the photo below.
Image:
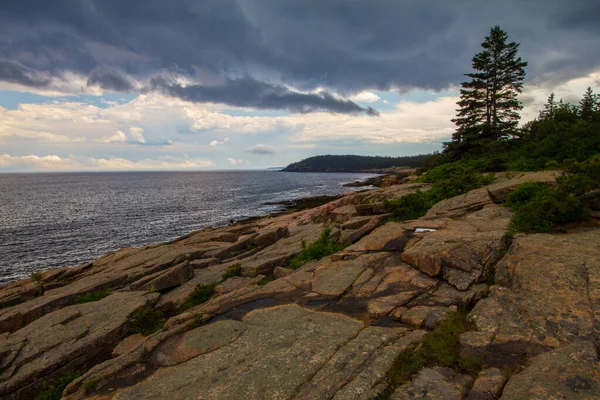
(330, 329)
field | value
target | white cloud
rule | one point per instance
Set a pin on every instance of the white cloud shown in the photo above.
(233, 161)
(136, 134)
(261, 149)
(77, 163)
(117, 137)
(216, 142)
(365, 97)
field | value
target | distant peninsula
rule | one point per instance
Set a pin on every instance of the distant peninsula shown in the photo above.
(354, 163)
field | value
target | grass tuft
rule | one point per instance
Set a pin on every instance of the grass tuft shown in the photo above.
(440, 347)
(147, 320)
(199, 295)
(265, 280)
(54, 391)
(92, 296)
(233, 270)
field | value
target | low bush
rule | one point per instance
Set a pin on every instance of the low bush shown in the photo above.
(233, 270)
(320, 248)
(439, 348)
(265, 280)
(54, 391)
(538, 207)
(448, 180)
(199, 295)
(146, 320)
(92, 296)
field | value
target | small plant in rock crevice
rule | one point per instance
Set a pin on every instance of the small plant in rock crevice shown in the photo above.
(320, 248)
(92, 296)
(440, 347)
(199, 295)
(54, 390)
(232, 270)
(146, 320)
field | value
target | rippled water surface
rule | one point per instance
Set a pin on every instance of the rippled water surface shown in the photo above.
(49, 220)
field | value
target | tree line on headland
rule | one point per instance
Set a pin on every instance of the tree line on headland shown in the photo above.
(488, 136)
(353, 163)
(489, 140)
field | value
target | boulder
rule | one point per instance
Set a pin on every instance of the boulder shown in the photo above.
(571, 372)
(65, 340)
(271, 236)
(280, 272)
(173, 277)
(389, 237)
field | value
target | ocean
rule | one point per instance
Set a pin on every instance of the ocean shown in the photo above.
(62, 219)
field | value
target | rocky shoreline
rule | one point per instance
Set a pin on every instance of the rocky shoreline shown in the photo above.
(142, 322)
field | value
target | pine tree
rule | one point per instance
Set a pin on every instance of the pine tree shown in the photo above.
(488, 102)
(550, 107)
(588, 105)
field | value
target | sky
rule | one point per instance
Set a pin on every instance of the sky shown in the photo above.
(90, 85)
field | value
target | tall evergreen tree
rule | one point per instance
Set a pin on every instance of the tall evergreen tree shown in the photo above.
(588, 105)
(550, 107)
(488, 102)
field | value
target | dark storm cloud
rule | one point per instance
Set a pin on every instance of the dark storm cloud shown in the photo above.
(342, 47)
(109, 80)
(15, 72)
(248, 92)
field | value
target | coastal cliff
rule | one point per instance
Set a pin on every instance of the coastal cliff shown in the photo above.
(450, 305)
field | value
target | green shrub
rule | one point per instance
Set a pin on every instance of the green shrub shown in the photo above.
(92, 296)
(199, 295)
(440, 347)
(448, 180)
(54, 391)
(265, 280)
(538, 207)
(233, 270)
(524, 193)
(320, 248)
(37, 277)
(411, 206)
(146, 320)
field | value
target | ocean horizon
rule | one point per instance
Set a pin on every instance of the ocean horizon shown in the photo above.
(54, 219)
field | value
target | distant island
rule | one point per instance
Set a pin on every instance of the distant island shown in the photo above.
(354, 163)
